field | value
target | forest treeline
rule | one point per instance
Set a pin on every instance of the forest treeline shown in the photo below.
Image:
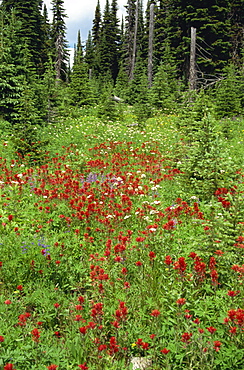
(144, 58)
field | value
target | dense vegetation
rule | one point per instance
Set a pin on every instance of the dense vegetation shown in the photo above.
(121, 232)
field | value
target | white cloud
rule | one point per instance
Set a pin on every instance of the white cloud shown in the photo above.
(80, 15)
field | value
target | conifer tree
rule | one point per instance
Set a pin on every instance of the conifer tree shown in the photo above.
(80, 87)
(96, 29)
(29, 13)
(108, 48)
(89, 53)
(59, 43)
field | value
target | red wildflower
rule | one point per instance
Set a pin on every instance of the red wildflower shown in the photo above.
(35, 335)
(7, 301)
(115, 324)
(124, 270)
(233, 293)
(217, 345)
(180, 265)
(168, 260)
(214, 277)
(20, 287)
(233, 330)
(186, 337)
(102, 347)
(10, 217)
(211, 329)
(145, 345)
(219, 252)
(138, 263)
(1, 339)
(83, 366)
(9, 367)
(181, 301)
(81, 299)
(83, 329)
(192, 255)
(152, 255)
(165, 351)
(52, 367)
(212, 263)
(155, 313)
(56, 305)
(113, 346)
(78, 307)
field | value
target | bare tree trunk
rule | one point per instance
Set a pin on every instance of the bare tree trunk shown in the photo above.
(150, 46)
(133, 61)
(192, 77)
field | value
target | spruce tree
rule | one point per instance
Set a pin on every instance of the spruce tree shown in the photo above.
(59, 43)
(80, 87)
(96, 29)
(29, 13)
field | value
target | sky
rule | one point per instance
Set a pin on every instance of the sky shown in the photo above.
(80, 16)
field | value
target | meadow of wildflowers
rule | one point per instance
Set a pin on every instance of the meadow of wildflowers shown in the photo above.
(105, 256)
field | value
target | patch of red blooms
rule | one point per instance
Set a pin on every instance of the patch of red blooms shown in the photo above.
(113, 346)
(217, 345)
(233, 293)
(9, 366)
(83, 330)
(236, 316)
(1, 339)
(233, 330)
(52, 367)
(168, 260)
(186, 337)
(23, 318)
(181, 301)
(152, 255)
(180, 265)
(165, 351)
(211, 329)
(155, 313)
(138, 263)
(83, 366)
(35, 335)
(122, 312)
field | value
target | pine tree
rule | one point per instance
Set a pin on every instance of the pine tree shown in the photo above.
(46, 30)
(96, 29)
(80, 87)
(108, 48)
(29, 13)
(89, 52)
(59, 43)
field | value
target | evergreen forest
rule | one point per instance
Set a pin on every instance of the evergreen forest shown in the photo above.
(121, 187)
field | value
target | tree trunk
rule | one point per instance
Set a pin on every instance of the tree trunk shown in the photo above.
(133, 61)
(192, 77)
(150, 46)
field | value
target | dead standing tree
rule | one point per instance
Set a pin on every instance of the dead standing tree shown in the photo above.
(193, 74)
(150, 46)
(133, 59)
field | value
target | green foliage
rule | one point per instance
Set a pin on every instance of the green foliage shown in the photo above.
(207, 164)
(166, 90)
(229, 93)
